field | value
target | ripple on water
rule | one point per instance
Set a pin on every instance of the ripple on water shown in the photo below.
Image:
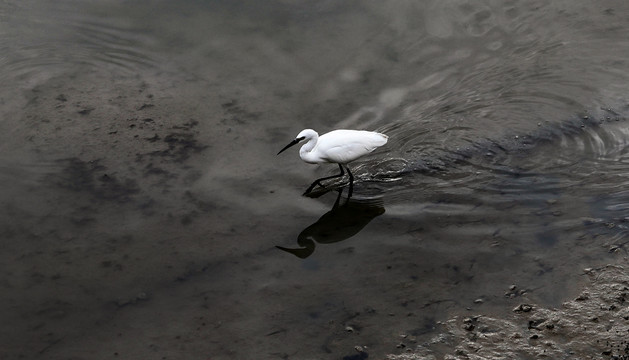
(48, 38)
(583, 158)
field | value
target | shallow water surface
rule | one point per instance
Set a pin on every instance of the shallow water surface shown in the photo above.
(146, 214)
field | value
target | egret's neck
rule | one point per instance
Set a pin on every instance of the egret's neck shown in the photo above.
(306, 149)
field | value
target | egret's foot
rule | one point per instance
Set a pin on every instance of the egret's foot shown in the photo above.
(315, 192)
(310, 188)
(318, 181)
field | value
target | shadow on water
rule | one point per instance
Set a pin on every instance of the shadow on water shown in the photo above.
(340, 223)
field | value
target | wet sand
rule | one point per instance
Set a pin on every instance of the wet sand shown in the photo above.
(593, 325)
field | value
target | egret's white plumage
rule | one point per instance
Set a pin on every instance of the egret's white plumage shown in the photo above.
(338, 146)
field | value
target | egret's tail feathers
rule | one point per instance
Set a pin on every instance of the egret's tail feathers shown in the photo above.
(383, 139)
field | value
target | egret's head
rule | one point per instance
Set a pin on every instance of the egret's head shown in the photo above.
(306, 134)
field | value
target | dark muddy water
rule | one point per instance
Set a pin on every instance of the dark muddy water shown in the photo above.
(143, 204)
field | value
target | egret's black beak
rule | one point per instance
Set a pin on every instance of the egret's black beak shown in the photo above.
(296, 141)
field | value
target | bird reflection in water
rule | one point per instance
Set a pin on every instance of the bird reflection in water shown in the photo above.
(338, 224)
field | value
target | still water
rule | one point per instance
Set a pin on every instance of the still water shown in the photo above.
(143, 204)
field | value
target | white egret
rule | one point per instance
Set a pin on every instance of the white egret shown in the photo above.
(338, 147)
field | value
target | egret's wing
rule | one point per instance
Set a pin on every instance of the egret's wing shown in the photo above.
(345, 153)
(348, 145)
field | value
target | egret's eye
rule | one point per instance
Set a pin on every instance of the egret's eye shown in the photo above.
(301, 138)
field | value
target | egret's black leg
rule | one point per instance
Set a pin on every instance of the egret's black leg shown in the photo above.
(351, 184)
(318, 181)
